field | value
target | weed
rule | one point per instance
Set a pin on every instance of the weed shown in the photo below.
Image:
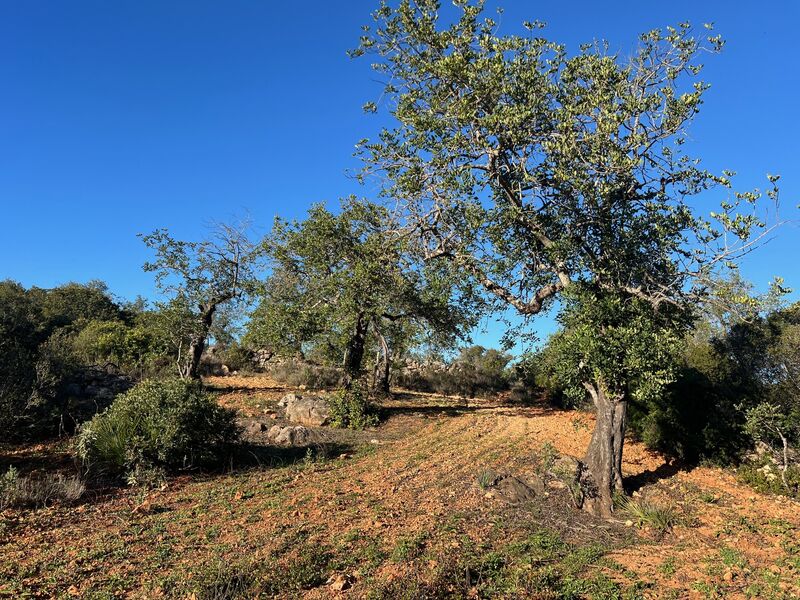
(668, 567)
(409, 548)
(646, 514)
(352, 408)
(17, 491)
(708, 497)
(486, 479)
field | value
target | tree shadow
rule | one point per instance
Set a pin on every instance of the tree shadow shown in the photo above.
(247, 389)
(427, 410)
(250, 456)
(39, 458)
(664, 471)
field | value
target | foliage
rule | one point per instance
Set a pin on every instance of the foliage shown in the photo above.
(340, 283)
(38, 332)
(201, 279)
(171, 424)
(766, 477)
(352, 408)
(20, 335)
(238, 358)
(635, 350)
(73, 305)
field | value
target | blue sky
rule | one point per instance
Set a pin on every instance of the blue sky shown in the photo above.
(120, 117)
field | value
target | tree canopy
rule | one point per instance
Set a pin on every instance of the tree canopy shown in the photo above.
(540, 172)
(340, 280)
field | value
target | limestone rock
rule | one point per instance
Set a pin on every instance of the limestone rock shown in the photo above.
(296, 435)
(310, 410)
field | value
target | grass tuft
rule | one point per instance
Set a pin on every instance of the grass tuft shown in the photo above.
(647, 514)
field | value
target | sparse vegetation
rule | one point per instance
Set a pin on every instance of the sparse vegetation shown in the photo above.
(36, 492)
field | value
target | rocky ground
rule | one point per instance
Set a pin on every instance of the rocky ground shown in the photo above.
(445, 499)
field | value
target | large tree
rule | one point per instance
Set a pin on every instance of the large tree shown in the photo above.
(341, 283)
(539, 172)
(200, 278)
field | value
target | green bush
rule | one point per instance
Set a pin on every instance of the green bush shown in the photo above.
(170, 424)
(352, 409)
(238, 358)
(763, 475)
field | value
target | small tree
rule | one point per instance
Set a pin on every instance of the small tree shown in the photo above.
(201, 277)
(341, 282)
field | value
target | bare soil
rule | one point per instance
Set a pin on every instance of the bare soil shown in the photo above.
(400, 511)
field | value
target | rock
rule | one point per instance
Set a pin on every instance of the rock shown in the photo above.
(224, 370)
(296, 435)
(284, 402)
(513, 490)
(255, 428)
(537, 484)
(728, 576)
(311, 411)
(565, 467)
(556, 484)
(340, 583)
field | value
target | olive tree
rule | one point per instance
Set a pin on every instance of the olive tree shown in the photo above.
(200, 278)
(341, 282)
(536, 171)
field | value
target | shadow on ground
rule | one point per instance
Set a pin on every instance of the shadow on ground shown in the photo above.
(664, 471)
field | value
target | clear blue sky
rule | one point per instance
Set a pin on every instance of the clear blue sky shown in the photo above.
(120, 117)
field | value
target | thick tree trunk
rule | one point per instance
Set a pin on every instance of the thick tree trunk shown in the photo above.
(198, 342)
(601, 471)
(382, 367)
(354, 353)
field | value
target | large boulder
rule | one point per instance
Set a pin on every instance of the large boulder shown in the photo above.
(309, 410)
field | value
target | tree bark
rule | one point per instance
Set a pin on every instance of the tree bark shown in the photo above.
(382, 366)
(198, 342)
(354, 353)
(601, 470)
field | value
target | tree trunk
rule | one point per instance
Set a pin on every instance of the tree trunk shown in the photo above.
(601, 470)
(382, 367)
(354, 353)
(198, 342)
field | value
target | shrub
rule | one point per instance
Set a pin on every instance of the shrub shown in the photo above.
(19, 338)
(352, 409)
(170, 424)
(17, 491)
(238, 358)
(764, 476)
